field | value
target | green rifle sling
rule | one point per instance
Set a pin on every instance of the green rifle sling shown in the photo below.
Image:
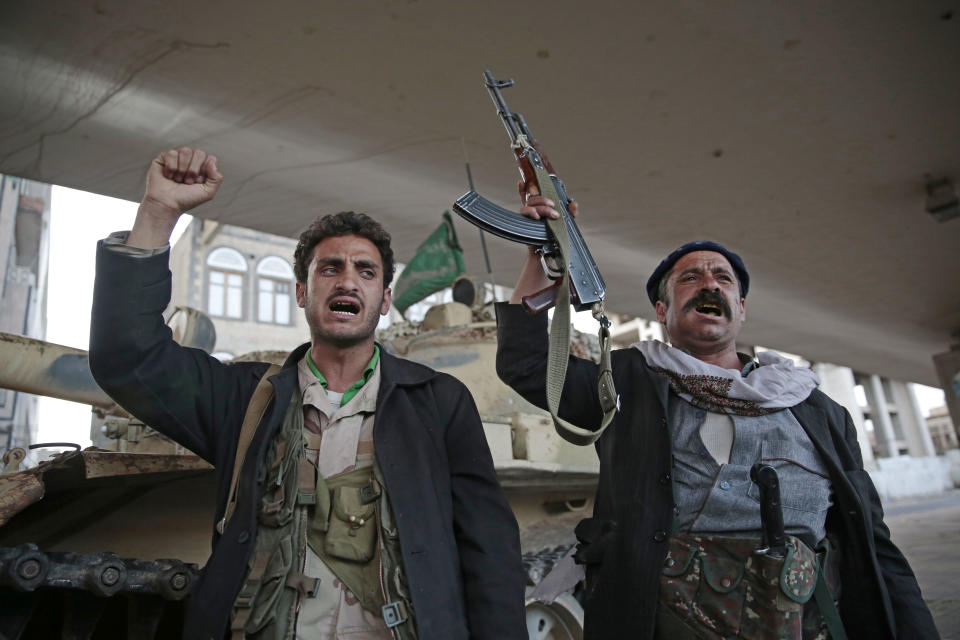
(558, 355)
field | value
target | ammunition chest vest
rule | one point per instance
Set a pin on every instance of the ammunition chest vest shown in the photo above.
(345, 519)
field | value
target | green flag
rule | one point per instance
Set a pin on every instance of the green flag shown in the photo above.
(435, 265)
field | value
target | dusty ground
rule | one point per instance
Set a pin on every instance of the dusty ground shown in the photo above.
(928, 533)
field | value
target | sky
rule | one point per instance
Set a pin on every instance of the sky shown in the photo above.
(77, 221)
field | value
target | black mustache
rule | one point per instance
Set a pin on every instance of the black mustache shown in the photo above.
(709, 297)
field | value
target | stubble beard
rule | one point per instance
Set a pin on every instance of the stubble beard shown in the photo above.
(345, 341)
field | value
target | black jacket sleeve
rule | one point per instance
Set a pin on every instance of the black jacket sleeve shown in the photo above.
(486, 531)
(911, 615)
(522, 347)
(184, 393)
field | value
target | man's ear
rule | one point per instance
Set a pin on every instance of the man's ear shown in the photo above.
(743, 310)
(385, 303)
(301, 294)
(661, 308)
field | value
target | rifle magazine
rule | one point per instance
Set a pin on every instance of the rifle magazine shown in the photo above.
(501, 222)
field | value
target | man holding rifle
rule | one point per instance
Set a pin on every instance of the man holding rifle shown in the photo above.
(356, 495)
(705, 441)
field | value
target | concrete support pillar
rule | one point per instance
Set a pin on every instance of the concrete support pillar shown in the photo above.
(883, 426)
(839, 383)
(915, 429)
(948, 371)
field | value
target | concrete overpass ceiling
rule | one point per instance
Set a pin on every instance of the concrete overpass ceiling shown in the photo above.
(798, 135)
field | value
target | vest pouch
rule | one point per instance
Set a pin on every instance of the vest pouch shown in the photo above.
(350, 546)
(718, 603)
(705, 587)
(678, 558)
(279, 496)
(320, 517)
(263, 607)
(722, 575)
(352, 532)
(272, 583)
(777, 589)
(701, 585)
(680, 577)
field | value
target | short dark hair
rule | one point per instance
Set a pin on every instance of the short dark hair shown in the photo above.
(345, 223)
(662, 288)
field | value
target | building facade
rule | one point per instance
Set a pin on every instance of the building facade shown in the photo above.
(243, 280)
(24, 254)
(942, 431)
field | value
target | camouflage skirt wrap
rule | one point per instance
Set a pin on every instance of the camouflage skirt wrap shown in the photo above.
(714, 588)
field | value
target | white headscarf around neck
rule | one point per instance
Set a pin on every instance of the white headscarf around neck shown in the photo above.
(774, 385)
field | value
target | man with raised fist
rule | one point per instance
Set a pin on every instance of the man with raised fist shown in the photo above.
(356, 492)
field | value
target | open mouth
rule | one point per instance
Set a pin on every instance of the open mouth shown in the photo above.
(345, 307)
(709, 303)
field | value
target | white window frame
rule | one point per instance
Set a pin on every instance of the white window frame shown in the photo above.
(232, 266)
(274, 272)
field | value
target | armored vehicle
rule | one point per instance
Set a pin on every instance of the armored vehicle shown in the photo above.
(108, 541)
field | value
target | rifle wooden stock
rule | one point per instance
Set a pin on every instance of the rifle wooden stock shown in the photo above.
(541, 300)
(546, 298)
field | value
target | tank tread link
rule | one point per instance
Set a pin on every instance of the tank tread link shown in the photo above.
(99, 595)
(539, 563)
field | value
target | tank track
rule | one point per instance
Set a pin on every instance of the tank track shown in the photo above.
(64, 594)
(537, 564)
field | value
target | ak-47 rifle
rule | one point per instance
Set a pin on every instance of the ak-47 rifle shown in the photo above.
(586, 284)
(565, 259)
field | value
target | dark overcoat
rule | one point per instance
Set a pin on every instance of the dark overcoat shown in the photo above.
(880, 597)
(459, 539)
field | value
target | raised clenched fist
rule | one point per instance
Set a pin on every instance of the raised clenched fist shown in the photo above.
(181, 179)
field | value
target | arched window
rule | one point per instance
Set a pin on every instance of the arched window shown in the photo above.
(274, 290)
(226, 269)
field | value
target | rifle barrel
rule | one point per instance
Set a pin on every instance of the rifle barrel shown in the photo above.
(508, 117)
